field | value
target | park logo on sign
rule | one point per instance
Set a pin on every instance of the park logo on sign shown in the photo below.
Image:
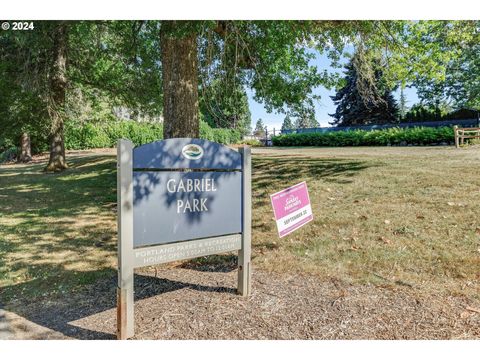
(192, 152)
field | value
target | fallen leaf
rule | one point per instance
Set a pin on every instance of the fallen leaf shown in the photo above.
(384, 240)
(387, 222)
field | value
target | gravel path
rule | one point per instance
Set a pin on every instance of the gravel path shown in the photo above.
(188, 303)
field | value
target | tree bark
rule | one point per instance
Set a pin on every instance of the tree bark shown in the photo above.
(25, 148)
(58, 85)
(180, 81)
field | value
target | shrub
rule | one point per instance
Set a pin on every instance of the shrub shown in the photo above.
(250, 142)
(9, 155)
(90, 136)
(392, 136)
(6, 144)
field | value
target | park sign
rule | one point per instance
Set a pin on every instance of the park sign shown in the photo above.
(291, 208)
(179, 199)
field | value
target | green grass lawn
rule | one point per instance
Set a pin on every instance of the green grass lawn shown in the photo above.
(57, 231)
(392, 216)
(405, 216)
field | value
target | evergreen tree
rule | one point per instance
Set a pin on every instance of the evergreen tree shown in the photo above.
(364, 99)
(259, 128)
(287, 124)
(305, 118)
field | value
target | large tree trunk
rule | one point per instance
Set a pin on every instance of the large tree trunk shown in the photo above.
(180, 80)
(58, 84)
(25, 148)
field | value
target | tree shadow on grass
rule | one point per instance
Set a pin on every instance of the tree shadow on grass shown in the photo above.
(51, 224)
(27, 191)
(59, 313)
(279, 173)
(64, 217)
(268, 170)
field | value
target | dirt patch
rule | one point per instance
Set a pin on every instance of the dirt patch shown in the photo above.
(189, 303)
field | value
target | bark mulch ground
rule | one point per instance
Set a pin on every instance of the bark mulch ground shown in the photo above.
(199, 302)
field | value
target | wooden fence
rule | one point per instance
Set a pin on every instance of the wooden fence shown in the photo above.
(465, 133)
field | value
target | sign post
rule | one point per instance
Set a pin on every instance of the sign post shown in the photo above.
(179, 199)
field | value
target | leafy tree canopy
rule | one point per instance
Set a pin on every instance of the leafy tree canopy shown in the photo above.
(224, 106)
(440, 58)
(108, 63)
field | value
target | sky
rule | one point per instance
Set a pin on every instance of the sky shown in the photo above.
(323, 107)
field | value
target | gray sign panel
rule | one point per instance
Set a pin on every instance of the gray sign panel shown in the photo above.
(172, 206)
(171, 154)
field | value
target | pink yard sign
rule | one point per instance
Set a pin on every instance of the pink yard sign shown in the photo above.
(292, 208)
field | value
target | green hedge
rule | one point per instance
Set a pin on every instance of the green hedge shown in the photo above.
(222, 136)
(90, 136)
(250, 142)
(392, 136)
